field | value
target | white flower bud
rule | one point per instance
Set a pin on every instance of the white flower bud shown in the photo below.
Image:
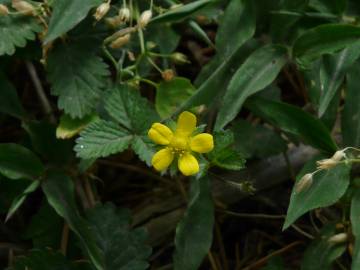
(304, 183)
(3, 10)
(145, 18)
(326, 164)
(120, 41)
(338, 238)
(102, 10)
(179, 58)
(124, 14)
(23, 7)
(339, 155)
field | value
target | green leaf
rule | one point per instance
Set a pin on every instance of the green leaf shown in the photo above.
(247, 138)
(45, 234)
(180, 13)
(78, 85)
(194, 232)
(59, 191)
(328, 186)
(326, 38)
(69, 127)
(18, 201)
(258, 71)
(236, 27)
(66, 14)
(9, 100)
(45, 143)
(223, 155)
(15, 30)
(275, 263)
(18, 162)
(350, 123)
(216, 76)
(102, 138)
(171, 94)
(144, 148)
(332, 73)
(128, 108)
(41, 260)
(122, 248)
(295, 121)
(320, 254)
(331, 7)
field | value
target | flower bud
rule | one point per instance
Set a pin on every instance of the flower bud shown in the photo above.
(124, 14)
(113, 21)
(304, 183)
(120, 41)
(338, 238)
(145, 18)
(326, 164)
(339, 155)
(102, 10)
(23, 7)
(179, 58)
(3, 10)
(167, 75)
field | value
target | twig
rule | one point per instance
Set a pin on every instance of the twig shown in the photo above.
(64, 238)
(251, 215)
(40, 91)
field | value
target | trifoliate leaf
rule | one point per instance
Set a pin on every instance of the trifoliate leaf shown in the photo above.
(15, 30)
(66, 14)
(129, 109)
(102, 138)
(77, 77)
(122, 248)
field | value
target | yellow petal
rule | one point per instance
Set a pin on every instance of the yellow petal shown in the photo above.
(160, 134)
(186, 123)
(162, 159)
(202, 143)
(188, 164)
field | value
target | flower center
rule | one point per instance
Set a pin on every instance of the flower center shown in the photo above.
(179, 144)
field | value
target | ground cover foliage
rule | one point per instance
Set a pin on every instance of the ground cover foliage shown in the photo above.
(184, 135)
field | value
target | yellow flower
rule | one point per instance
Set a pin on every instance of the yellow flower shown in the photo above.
(180, 144)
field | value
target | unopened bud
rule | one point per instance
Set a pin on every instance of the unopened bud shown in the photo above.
(114, 21)
(23, 7)
(102, 10)
(304, 183)
(124, 14)
(3, 10)
(179, 58)
(339, 155)
(145, 18)
(120, 41)
(167, 75)
(326, 164)
(338, 238)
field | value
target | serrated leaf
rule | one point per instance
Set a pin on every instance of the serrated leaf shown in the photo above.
(9, 100)
(181, 12)
(18, 201)
(224, 155)
(295, 121)
(128, 108)
(332, 73)
(66, 14)
(59, 191)
(18, 162)
(258, 71)
(171, 94)
(350, 121)
(102, 138)
(326, 38)
(194, 233)
(69, 127)
(15, 30)
(79, 85)
(320, 254)
(328, 186)
(122, 248)
(144, 148)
